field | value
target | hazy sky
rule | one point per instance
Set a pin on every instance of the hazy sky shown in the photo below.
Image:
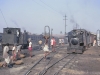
(33, 15)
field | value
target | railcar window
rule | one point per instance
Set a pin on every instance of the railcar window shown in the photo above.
(9, 31)
(81, 32)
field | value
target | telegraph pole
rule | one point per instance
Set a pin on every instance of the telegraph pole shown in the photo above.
(65, 23)
(51, 32)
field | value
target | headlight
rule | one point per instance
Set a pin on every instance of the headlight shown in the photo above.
(74, 41)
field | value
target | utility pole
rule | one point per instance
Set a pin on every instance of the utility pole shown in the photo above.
(51, 32)
(65, 23)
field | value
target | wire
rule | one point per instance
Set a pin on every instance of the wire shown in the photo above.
(4, 18)
(50, 7)
(40, 5)
(15, 23)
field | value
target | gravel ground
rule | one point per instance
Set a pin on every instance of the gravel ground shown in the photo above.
(85, 64)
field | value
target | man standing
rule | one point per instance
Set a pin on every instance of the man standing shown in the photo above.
(53, 44)
(30, 47)
(17, 36)
(6, 56)
(40, 44)
(18, 50)
(60, 42)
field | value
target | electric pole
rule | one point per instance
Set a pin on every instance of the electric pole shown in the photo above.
(51, 32)
(65, 23)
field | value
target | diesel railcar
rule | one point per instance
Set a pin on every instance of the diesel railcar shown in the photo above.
(79, 40)
(14, 35)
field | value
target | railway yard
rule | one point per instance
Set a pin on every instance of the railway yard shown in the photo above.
(35, 41)
(57, 63)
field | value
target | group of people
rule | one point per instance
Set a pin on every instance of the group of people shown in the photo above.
(10, 58)
(61, 41)
(16, 51)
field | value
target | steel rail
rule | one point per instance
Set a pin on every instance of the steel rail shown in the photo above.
(47, 68)
(36, 64)
(33, 67)
(48, 63)
(64, 66)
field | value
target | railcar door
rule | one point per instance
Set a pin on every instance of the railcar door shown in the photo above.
(98, 37)
(84, 38)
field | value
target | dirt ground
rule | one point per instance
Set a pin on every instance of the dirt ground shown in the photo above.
(85, 64)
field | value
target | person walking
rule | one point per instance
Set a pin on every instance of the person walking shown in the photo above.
(40, 44)
(53, 44)
(30, 47)
(59, 42)
(46, 48)
(6, 56)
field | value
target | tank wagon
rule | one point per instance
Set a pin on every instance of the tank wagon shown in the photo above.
(14, 35)
(79, 40)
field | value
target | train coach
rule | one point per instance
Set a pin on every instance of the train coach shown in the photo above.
(14, 35)
(79, 40)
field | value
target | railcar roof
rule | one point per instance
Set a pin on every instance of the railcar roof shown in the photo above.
(11, 28)
(79, 29)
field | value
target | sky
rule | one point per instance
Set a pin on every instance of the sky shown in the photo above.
(34, 15)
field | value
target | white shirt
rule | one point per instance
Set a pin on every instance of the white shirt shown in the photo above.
(5, 50)
(59, 40)
(62, 40)
(17, 33)
(52, 41)
(18, 48)
(14, 48)
(30, 44)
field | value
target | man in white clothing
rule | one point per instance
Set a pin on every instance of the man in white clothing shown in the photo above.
(6, 56)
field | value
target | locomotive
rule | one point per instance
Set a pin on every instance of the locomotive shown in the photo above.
(0, 38)
(14, 36)
(79, 40)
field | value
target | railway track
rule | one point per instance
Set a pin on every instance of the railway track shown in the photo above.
(36, 68)
(57, 66)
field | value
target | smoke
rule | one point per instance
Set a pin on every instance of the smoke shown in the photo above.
(75, 24)
(15, 23)
(72, 20)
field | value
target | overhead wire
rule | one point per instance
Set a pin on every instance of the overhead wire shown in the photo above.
(40, 5)
(47, 6)
(15, 23)
(4, 18)
(50, 7)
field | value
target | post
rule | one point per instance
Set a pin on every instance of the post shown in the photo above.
(65, 23)
(51, 32)
(98, 37)
(48, 32)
